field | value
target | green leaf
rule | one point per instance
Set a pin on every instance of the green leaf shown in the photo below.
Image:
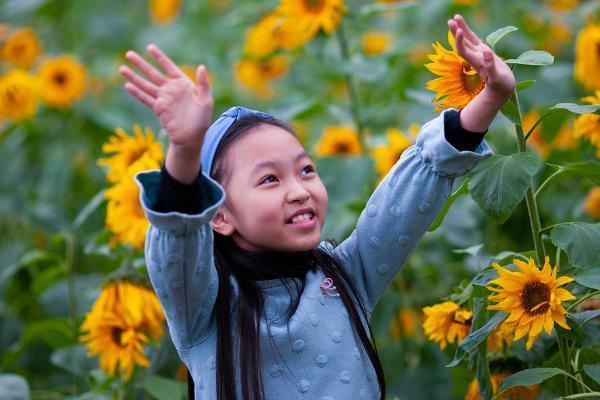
(528, 377)
(463, 189)
(497, 35)
(367, 69)
(13, 387)
(73, 359)
(89, 209)
(510, 111)
(593, 371)
(484, 277)
(474, 338)
(163, 388)
(499, 183)
(525, 85)
(589, 169)
(586, 316)
(577, 108)
(581, 242)
(589, 277)
(372, 9)
(532, 57)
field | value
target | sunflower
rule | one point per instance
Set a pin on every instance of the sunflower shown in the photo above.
(532, 297)
(498, 339)
(375, 42)
(404, 324)
(128, 150)
(458, 83)
(587, 57)
(447, 323)
(22, 48)
(562, 5)
(18, 96)
(309, 16)
(124, 214)
(257, 75)
(386, 156)
(555, 37)
(516, 393)
(592, 203)
(62, 81)
(339, 141)
(119, 324)
(260, 38)
(465, 2)
(164, 11)
(588, 125)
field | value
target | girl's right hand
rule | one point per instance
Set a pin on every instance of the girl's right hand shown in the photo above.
(184, 108)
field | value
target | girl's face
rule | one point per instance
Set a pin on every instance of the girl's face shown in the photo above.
(271, 179)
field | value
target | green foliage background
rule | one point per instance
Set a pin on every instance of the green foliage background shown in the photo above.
(53, 248)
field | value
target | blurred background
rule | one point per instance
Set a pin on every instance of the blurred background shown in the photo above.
(356, 92)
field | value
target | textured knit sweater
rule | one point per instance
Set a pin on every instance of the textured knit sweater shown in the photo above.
(317, 354)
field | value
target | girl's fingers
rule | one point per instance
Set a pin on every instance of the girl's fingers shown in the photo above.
(140, 95)
(489, 63)
(138, 81)
(466, 52)
(170, 67)
(151, 72)
(468, 32)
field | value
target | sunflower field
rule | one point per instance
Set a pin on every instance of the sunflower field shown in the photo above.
(501, 298)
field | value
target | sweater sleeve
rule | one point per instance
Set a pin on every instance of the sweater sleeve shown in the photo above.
(402, 207)
(173, 195)
(179, 257)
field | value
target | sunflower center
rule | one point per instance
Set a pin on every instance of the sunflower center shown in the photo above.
(471, 80)
(60, 78)
(536, 298)
(116, 335)
(342, 148)
(313, 5)
(19, 49)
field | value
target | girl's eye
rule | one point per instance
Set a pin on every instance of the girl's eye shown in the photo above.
(266, 180)
(309, 168)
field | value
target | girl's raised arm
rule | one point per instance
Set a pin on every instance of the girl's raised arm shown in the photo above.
(179, 246)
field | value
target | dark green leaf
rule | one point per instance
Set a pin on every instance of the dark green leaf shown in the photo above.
(342, 186)
(73, 359)
(589, 277)
(499, 183)
(581, 242)
(590, 169)
(476, 337)
(163, 388)
(510, 111)
(497, 35)
(463, 189)
(593, 371)
(576, 333)
(89, 209)
(525, 85)
(532, 57)
(586, 316)
(528, 377)
(484, 277)
(577, 108)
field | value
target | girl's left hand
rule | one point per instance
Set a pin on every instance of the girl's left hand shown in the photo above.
(496, 74)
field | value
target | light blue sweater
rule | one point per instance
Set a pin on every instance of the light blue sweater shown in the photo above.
(320, 356)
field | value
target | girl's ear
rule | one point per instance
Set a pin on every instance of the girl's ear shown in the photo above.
(221, 223)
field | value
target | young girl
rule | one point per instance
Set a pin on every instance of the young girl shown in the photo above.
(257, 306)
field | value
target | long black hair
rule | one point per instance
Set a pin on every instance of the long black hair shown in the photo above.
(247, 268)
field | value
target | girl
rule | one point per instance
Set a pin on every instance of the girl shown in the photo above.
(257, 306)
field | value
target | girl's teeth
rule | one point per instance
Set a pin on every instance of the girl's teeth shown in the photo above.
(301, 218)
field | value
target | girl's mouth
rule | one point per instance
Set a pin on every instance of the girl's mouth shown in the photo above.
(306, 220)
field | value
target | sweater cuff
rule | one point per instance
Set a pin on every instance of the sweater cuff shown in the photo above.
(173, 195)
(459, 137)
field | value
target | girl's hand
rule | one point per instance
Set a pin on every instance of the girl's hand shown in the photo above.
(497, 75)
(184, 108)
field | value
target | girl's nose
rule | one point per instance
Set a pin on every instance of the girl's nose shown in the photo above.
(298, 193)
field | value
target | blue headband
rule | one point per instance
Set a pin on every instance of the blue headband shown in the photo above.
(217, 130)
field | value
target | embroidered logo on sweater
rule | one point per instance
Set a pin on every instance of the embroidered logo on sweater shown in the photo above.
(328, 288)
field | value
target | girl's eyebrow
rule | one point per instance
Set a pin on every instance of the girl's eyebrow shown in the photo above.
(264, 164)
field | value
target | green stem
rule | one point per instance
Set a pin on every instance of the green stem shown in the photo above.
(563, 347)
(530, 132)
(593, 395)
(69, 266)
(534, 217)
(581, 299)
(550, 178)
(352, 91)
